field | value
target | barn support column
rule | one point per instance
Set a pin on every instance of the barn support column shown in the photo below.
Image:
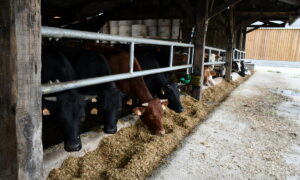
(21, 152)
(239, 39)
(201, 29)
(244, 39)
(231, 40)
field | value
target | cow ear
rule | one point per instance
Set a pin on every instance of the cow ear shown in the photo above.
(138, 111)
(46, 112)
(129, 102)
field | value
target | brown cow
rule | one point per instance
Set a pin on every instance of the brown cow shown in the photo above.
(208, 76)
(151, 111)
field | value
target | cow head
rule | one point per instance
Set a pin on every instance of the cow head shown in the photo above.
(70, 111)
(236, 66)
(171, 92)
(110, 101)
(151, 114)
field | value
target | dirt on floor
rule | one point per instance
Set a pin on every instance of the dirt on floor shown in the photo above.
(133, 153)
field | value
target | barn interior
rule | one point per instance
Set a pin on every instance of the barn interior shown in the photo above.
(92, 15)
(221, 24)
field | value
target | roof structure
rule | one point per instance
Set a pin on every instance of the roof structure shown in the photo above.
(92, 14)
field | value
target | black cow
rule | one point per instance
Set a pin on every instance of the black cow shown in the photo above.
(90, 64)
(240, 68)
(67, 107)
(158, 84)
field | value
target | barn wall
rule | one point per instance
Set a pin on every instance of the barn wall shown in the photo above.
(274, 44)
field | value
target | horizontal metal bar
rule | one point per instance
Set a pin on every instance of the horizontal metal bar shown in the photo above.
(214, 49)
(213, 63)
(52, 88)
(66, 33)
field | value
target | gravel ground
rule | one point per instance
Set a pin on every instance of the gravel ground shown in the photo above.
(254, 134)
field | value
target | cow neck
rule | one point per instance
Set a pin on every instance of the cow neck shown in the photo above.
(141, 90)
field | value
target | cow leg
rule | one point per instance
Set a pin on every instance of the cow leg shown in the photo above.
(211, 81)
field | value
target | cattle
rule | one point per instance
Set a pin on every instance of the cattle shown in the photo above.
(89, 64)
(151, 111)
(208, 76)
(66, 107)
(240, 68)
(158, 84)
(244, 70)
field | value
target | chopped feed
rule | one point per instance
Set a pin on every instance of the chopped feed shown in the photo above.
(133, 153)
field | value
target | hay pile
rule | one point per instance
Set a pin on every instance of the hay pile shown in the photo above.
(133, 153)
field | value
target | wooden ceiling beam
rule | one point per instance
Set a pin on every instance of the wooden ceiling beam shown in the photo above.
(272, 14)
(219, 9)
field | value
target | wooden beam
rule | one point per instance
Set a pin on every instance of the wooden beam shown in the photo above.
(201, 29)
(239, 39)
(21, 152)
(219, 9)
(246, 23)
(273, 14)
(244, 39)
(269, 25)
(252, 30)
(230, 44)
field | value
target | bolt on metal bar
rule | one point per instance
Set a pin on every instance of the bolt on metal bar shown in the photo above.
(48, 89)
(131, 62)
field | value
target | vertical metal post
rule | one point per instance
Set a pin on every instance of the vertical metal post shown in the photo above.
(189, 56)
(219, 54)
(209, 55)
(192, 60)
(131, 61)
(171, 56)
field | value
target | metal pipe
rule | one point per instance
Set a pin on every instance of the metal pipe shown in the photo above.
(188, 59)
(215, 49)
(131, 62)
(52, 88)
(66, 33)
(171, 56)
(192, 60)
(213, 63)
(209, 55)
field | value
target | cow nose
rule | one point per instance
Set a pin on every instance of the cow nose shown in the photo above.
(71, 147)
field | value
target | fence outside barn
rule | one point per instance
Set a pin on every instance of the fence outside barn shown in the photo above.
(274, 44)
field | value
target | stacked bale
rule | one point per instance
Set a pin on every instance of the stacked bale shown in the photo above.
(164, 28)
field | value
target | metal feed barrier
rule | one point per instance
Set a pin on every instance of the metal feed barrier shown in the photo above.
(52, 32)
(239, 55)
(219, 52)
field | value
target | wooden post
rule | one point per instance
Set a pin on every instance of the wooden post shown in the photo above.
(244, 39)
(239, 39)
(230, 43)
(21, 152)
(201, 29)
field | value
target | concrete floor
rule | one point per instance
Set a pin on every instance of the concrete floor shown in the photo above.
(254, 134)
